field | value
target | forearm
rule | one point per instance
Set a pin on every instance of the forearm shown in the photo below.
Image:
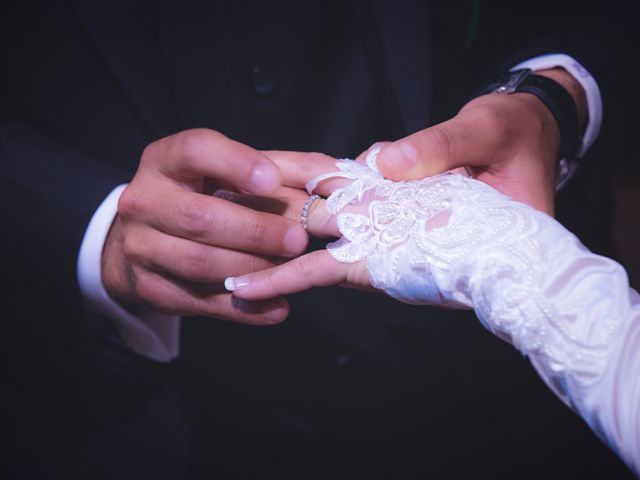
(574, 316)
(533, 284)
(573, 87)
(453, 241)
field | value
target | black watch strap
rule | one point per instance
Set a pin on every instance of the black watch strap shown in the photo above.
(555, 98)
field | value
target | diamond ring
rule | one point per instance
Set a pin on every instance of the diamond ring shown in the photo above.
(304, 216)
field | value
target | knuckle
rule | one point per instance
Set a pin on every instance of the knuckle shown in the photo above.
(149, 153)
(255, 263)
(312, 160)
(145, 289)
(131, 248)
(210, 306)
(131, 203)
(254, 231)
(193, 216)
(195, 263)
(439, 140)
(188, 145)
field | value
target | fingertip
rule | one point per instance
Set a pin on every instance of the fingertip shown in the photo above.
(278, 311)
(236, 283)
(265, 178)
(259, 313)
(296, 240)
(398, 160)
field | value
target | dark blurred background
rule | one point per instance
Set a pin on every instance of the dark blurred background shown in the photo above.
(311, 390)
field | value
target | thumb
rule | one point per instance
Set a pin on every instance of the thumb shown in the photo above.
(459, 142)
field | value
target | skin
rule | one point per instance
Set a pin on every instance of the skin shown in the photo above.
(510, 142)
(172, 243)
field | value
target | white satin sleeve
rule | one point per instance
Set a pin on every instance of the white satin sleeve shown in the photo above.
(453, 241)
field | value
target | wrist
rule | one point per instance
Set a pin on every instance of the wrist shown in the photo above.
(522, 162)
(558, 99)
(569, 83)
(525, 124)
(591, 91)
(115, 270)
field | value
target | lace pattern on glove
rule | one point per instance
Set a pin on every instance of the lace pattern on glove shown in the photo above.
(454, 241)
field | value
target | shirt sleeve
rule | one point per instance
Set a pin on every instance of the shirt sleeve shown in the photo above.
(150, 334)
(568, 166)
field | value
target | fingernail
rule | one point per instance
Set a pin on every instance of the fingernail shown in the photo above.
(236, 283)
(265, 178)
(295, 240)
(399, 157)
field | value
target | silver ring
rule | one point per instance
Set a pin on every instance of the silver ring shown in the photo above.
(304, 216)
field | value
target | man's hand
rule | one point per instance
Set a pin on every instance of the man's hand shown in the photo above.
(173, 244)
(510, 142)
(314, 269)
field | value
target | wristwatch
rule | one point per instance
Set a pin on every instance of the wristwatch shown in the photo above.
(560, 104)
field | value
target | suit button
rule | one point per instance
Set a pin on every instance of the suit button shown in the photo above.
(265, 82)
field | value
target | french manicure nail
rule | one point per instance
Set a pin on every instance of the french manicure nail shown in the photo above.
(265, 178)
(236, 283)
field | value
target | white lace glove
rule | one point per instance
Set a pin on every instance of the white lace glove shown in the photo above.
(453, 241)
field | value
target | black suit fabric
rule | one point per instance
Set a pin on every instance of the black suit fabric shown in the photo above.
(352, 385)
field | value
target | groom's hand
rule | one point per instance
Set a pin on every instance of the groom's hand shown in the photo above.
(510, 142)
(173, 244)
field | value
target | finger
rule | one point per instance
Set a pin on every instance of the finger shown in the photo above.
(363, 156)
(474, 137)
(213, 221)
(171, 296)
(319, 222)
(290, 192)
(188, 156)
(315, 269)
(192, 261)
(298, 168)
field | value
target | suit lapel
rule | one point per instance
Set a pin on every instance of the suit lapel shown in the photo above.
(128, 46)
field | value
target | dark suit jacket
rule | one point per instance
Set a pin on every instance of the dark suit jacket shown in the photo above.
(353, 385)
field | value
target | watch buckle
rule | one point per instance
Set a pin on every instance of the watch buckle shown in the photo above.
(515, 79)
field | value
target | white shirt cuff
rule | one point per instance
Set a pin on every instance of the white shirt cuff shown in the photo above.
(588, 83)
(149, 334)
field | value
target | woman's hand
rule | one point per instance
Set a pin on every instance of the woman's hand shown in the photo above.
(315, 269)
(510, 142)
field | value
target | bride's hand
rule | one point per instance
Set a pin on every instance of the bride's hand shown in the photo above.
(315, 269)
